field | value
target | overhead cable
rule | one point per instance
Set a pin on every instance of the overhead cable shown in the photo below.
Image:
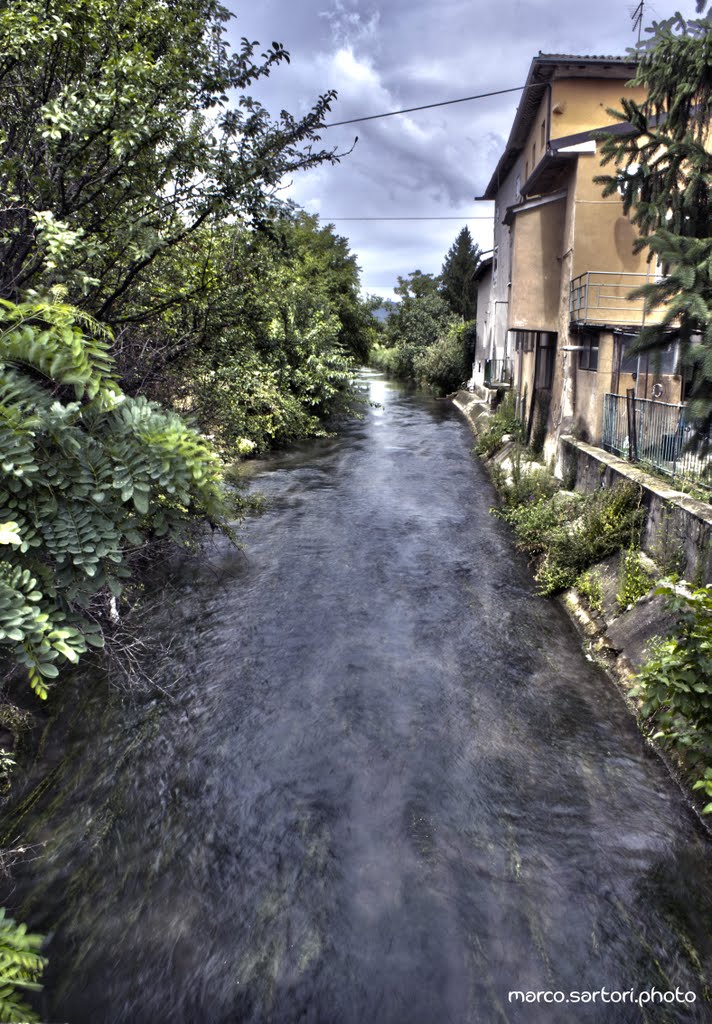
(427, 106)
(463, 217)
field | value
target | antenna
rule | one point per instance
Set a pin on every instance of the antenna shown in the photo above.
(637, 17)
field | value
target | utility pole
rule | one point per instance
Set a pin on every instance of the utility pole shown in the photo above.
(637, 18)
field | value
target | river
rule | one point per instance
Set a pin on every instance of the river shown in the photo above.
(386, 786)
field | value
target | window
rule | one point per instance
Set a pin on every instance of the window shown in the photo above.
(545, 359)
(588, 356)
(533, 155)
(542, 135)
(663, 363)
(628, 363)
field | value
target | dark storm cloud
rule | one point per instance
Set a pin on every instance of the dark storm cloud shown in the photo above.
(404, 53)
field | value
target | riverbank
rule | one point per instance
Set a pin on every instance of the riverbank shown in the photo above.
(614, 604)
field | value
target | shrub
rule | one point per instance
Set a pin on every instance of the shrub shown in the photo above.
(675, 684)
(529, 484)
(590, 586)
(88, 476)
(503, 422)
(569, 532)
(633, 580)
(444, 365)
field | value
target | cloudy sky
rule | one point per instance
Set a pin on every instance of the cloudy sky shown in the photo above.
(383, 56)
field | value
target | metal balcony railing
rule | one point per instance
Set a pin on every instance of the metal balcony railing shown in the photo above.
(498, 372)
(599, 297)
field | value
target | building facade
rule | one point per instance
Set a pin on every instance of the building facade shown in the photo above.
(564, 261)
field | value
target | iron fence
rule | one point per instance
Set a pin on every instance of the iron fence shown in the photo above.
(659, 435)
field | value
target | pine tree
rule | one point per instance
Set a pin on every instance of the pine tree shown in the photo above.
(458, 276)
(664, 173)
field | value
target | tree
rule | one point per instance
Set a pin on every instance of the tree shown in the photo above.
(121, 140)
(458, 276)
(664, 171)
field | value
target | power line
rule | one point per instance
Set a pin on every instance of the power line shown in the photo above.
(427, 106)
(463, 217)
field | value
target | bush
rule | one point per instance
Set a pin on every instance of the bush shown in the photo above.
(444, 365)
(529, 484)
(590, 586)
(633, 580)
(89, 475)
(675, 684)
(569, 532)
(503, 422)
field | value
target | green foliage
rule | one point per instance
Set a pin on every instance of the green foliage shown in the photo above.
(458, 287)
(444, 365)
(634, 581)
(277, 337)
(590, 586)
(418, 321)
(126, 128)
(504, 422)
(663, 171)
(529, 483)
(88, 475)
(21, 966)
(398, 361)
(569, 532)
(675, 684)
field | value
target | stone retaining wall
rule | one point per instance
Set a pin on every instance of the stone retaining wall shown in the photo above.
(678, 528)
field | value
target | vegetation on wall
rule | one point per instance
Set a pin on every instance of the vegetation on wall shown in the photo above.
(568, 532)
(675, 685)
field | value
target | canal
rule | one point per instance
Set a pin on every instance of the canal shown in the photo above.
(383, 785)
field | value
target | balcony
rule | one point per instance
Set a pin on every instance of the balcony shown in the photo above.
(601, 298)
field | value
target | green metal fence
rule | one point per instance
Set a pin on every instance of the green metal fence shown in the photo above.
(657, 434)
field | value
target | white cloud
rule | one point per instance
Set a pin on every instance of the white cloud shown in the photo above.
(403, 54)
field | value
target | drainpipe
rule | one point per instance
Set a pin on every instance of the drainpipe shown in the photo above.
(567, 405)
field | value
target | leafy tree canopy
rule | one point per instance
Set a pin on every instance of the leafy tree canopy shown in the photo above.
(125, 128)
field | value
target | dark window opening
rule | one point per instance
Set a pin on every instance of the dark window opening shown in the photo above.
(545, 359)
(588, 356)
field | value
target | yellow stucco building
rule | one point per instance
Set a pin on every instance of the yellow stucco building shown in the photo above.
(558, 317)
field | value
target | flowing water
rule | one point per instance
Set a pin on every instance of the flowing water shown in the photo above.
(387, 787)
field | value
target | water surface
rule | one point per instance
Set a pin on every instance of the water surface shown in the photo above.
(388, 786)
